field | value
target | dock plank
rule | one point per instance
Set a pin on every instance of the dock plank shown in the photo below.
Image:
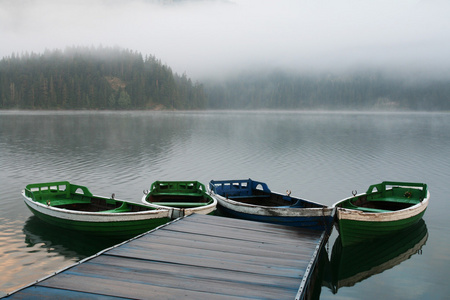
(188, 271)
(253, 225)
(120, 288)
(197, 282)
(288, 235)
(46, 293)
(169, 238)
(197, 257)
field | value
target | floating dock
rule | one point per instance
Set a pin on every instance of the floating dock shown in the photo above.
(197, 257)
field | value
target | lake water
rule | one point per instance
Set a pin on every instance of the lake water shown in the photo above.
(321, 156)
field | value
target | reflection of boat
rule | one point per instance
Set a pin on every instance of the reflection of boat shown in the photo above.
(70, 244)
(74, 207)
(253, 200)
(385, 208)
(355, 263)
(181, 198)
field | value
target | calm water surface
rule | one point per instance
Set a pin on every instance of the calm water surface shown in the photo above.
(321, 156)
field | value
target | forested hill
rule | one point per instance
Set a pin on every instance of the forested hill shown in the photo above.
(100, 78)
(114, 78)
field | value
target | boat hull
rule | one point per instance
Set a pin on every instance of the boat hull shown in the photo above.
(354, 231)
(320, 218)
(105, 224)
(310, 222)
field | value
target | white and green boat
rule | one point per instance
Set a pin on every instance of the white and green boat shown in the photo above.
(74, 207)
(385, 208)
(182, 198)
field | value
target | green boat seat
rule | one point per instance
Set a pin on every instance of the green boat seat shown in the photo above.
(123, 208)
(372, 210)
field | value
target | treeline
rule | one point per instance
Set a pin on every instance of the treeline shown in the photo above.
(114, 78)
(360, 90)
(94, 78)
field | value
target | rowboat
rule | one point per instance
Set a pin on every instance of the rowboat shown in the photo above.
(74, 207)
(181, 198)
(385, 208)
(358, 262)
(253, 200)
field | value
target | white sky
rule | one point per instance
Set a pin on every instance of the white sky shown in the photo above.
(210, 38)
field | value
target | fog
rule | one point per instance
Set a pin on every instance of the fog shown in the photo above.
(213, 38)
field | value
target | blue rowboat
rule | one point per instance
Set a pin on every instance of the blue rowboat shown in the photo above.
(253, 200)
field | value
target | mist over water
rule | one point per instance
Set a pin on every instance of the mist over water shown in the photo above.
(216, 38)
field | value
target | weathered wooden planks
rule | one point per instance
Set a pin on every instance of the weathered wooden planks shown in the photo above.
(198, 257)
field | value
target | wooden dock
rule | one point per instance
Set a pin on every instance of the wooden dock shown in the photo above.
(197, 257)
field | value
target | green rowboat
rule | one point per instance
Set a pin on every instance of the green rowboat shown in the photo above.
(385, 208)
(74, 207)
(182, 198)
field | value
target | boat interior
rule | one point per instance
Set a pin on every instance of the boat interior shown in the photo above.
(379, 204)
(256, 193)
(94, 204)
(259, 197)
(178, 194)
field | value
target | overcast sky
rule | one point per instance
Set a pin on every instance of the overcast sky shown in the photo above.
(209, 38)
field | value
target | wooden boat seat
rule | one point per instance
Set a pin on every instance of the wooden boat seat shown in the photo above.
(161, 194)
(180, 204)
(59, 202)
(372, 210)
(246, 196)
(384, 205)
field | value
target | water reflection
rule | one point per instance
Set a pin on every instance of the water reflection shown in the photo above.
(359, 262)
(67, 243)
(321, 276)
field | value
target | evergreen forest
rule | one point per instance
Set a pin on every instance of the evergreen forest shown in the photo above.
(118, 79)
(94, 78)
